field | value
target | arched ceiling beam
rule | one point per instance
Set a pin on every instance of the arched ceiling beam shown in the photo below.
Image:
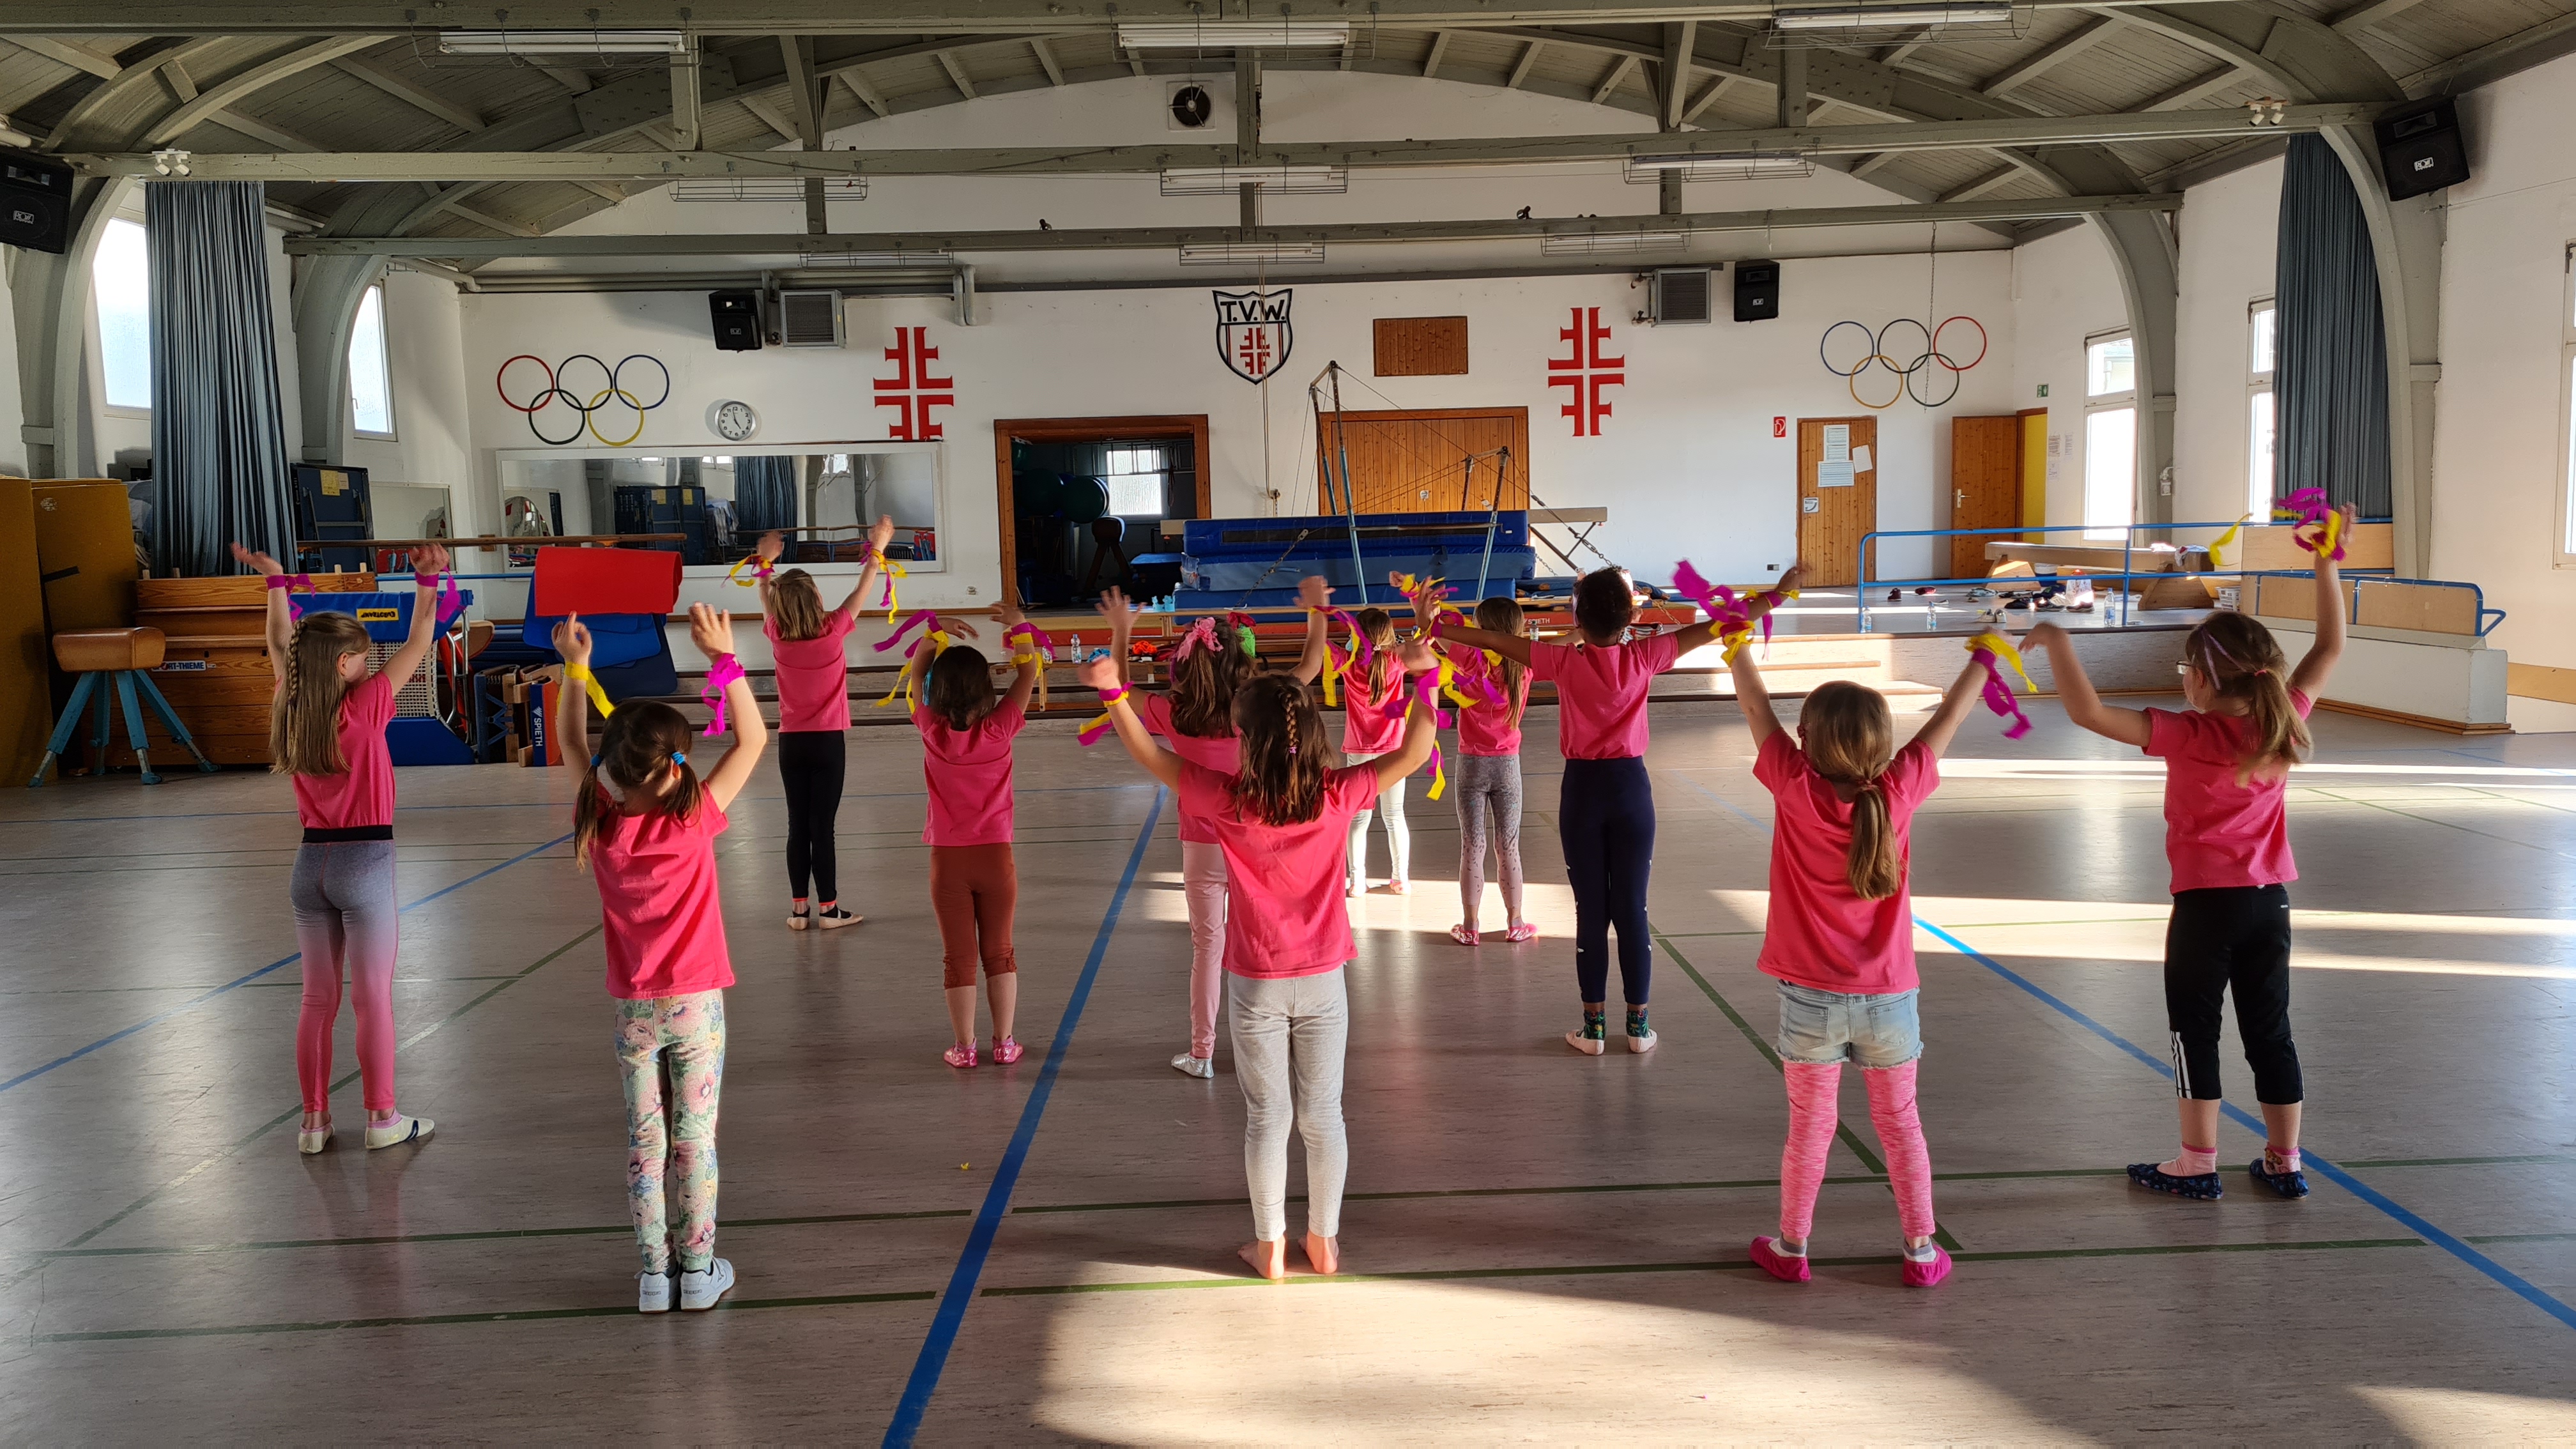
(250, 82)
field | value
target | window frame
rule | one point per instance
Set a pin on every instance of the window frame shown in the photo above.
(1162, 476)
(385, 360)
(2124, 400)
(2259, 382)
(2563, 548)
(97, 338)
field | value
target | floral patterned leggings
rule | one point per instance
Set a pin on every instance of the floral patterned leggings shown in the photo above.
(687, 1033)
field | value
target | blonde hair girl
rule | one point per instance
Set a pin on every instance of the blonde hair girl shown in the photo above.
(806, 649)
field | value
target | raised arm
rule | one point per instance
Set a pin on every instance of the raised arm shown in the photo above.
(1122, 627)
(1421, 726)
(1699, 635)
(572, 701)
(1317, 596)
(1025, 682)
(880, 533)
(712, 632)
(1160, 763)
(427, 563)
(1753, 699)
(1962, 694)
(2318, 664)
(2075, 691)
(1510, 646)
(280, 621)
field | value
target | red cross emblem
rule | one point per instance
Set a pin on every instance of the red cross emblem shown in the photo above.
(1586, 371)
(912, 391)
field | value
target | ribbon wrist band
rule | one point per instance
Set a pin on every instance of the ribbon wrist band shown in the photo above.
(580, 674)
(720, 675)
(1986, 649)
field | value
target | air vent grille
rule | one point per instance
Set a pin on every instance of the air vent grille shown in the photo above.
(809, 319)
(1682, 295)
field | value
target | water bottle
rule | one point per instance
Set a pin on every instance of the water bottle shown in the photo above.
(1073, 651)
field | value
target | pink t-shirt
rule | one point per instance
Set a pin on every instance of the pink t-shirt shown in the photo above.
(813, 676)
(1601, 693)
(1373, 728)
(1487, 729)
(657, 897)
(1284, 912)
(969, 774)
(365, 794)
(1820, 934)
(1221, 753)
(2217, 832)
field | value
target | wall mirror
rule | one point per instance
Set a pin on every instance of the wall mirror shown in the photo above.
(823, 495)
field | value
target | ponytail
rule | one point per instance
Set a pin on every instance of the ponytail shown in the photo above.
(1501, 615)
(1874, 868)
(2242, 661)
(1376, 626)
(1850, 739)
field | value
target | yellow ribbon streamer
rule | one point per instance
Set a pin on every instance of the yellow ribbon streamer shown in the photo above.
(2334, 529)
(2217, 560)
(2002, 648)
(580, 674)
(1031, 656)
(937, 639)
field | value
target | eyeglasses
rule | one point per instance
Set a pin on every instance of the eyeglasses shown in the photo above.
(2181, 668)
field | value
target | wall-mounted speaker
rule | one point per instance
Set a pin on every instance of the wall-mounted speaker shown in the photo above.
(1757, 291)
(2420, 148)
(736, 316)
(35, 202)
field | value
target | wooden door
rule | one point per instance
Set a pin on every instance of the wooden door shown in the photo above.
(1417, 460)
(1837, 495)
(2034, 472)
(1985, 488)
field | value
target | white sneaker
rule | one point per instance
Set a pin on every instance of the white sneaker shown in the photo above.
(1590, 1046)
(1642, 1044)
(1202, 1067)
(314, 1140)
(653, 1292)
(701, 1287)
(399, 1131)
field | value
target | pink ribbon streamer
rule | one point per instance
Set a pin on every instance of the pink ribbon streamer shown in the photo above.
(919, 618)
(1037, 637)
(1730, 612)
(1202, 635)
(451, 600)
(719, 675)
(2316, 528)
(2000, 697)
(293, 582)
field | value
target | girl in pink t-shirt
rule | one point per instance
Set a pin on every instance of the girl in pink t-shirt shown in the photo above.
(645, 823)
(805, 647)
(1840, 938)
(1373, 696)
(2227, 761)
(1280, 819)
(966, 732)
(1488, 783)
(1197, 716)
(1605, 817)
(327, 731)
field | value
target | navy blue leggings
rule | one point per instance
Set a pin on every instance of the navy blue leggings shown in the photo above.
(1605, 819)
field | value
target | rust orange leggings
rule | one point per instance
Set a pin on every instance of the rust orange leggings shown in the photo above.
(974, 889)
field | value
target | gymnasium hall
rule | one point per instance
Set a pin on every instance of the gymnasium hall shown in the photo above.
(1678, 721)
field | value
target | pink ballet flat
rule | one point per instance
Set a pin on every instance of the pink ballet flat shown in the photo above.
(1462, 935)
(1522, 932)
(1783, 1267)
(1925, 1275)
(1007, 1051)
(961, 1055)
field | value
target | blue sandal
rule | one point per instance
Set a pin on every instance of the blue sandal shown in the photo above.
(2204, 1187)
(2287, 1184)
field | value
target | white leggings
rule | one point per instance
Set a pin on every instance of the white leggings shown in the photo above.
(1290, 1036)
(1399, 837)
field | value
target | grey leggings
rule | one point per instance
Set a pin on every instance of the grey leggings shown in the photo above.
(1289, 1038)
(1489, 783)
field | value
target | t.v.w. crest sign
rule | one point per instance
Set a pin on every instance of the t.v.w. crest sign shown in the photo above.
(1252, 332)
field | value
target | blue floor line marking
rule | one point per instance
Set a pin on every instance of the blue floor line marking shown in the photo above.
(193, 1003)
(2503, 1276)
(951, 1316)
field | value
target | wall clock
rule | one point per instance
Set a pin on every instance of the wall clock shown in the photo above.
(732, 421)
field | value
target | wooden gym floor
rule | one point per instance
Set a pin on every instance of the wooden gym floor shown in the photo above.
(1539, 1244)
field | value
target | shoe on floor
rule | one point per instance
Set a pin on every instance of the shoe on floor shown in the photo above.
(1201, 1067)
(318, 1139)
(1463, 934)
(1925, 1272)
(1007, 1051)
(700, 1288)
(2293, 1183)
(1643, 1044)
(1522, 932)
(653, 1291)
(799, 920)
(399, 1131)
(1590, 1046)
(837, 917)
(2152, 1176)
(960, 1056)
(1778, 1264)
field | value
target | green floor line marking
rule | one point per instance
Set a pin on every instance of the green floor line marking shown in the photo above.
(488, 1235)
(435, 1320)
(1738, 1265)
(297, 1112)
(2526, 1238)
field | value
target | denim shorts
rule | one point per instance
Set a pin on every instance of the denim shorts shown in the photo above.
(1820, 1028)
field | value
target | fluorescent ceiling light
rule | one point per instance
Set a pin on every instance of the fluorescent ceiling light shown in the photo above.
(766, 188)
(1277, 254)
(1235, 35)
(1610, 243)
(1723, 166)
(1847, 17)
(876, 261)
(1276, 180)
(562, 42)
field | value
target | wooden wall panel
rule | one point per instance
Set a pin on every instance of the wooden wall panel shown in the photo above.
(1420, 346)
(1829, 538)
(1985, 487)
(1415, 461)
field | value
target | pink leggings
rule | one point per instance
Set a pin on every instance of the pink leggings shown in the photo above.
(1203, 885)
(345, 912)
(1812, 1117)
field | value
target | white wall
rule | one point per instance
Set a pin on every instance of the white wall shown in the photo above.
(2064, 288)
(2498, 444)
(13, 443)
(425, 342)
(1687, 464)
(2230, 233)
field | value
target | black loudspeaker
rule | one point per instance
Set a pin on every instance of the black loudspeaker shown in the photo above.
(737, 320)
(1757, 291)
(2420, 148)
(35, 202)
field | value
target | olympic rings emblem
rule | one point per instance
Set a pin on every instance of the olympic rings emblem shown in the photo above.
(1903, 358)
(556, 394)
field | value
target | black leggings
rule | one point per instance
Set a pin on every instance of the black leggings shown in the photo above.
(2235, 936)
(810, 765)
(1605, 820)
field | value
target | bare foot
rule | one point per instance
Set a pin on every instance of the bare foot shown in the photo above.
(1270, 1260)
(1324, 1255)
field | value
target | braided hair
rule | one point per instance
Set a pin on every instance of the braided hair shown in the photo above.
(1285, 752)
(304, 718)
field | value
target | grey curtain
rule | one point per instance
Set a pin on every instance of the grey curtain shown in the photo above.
(764, 494)
(2330, 378)
(218, 438)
